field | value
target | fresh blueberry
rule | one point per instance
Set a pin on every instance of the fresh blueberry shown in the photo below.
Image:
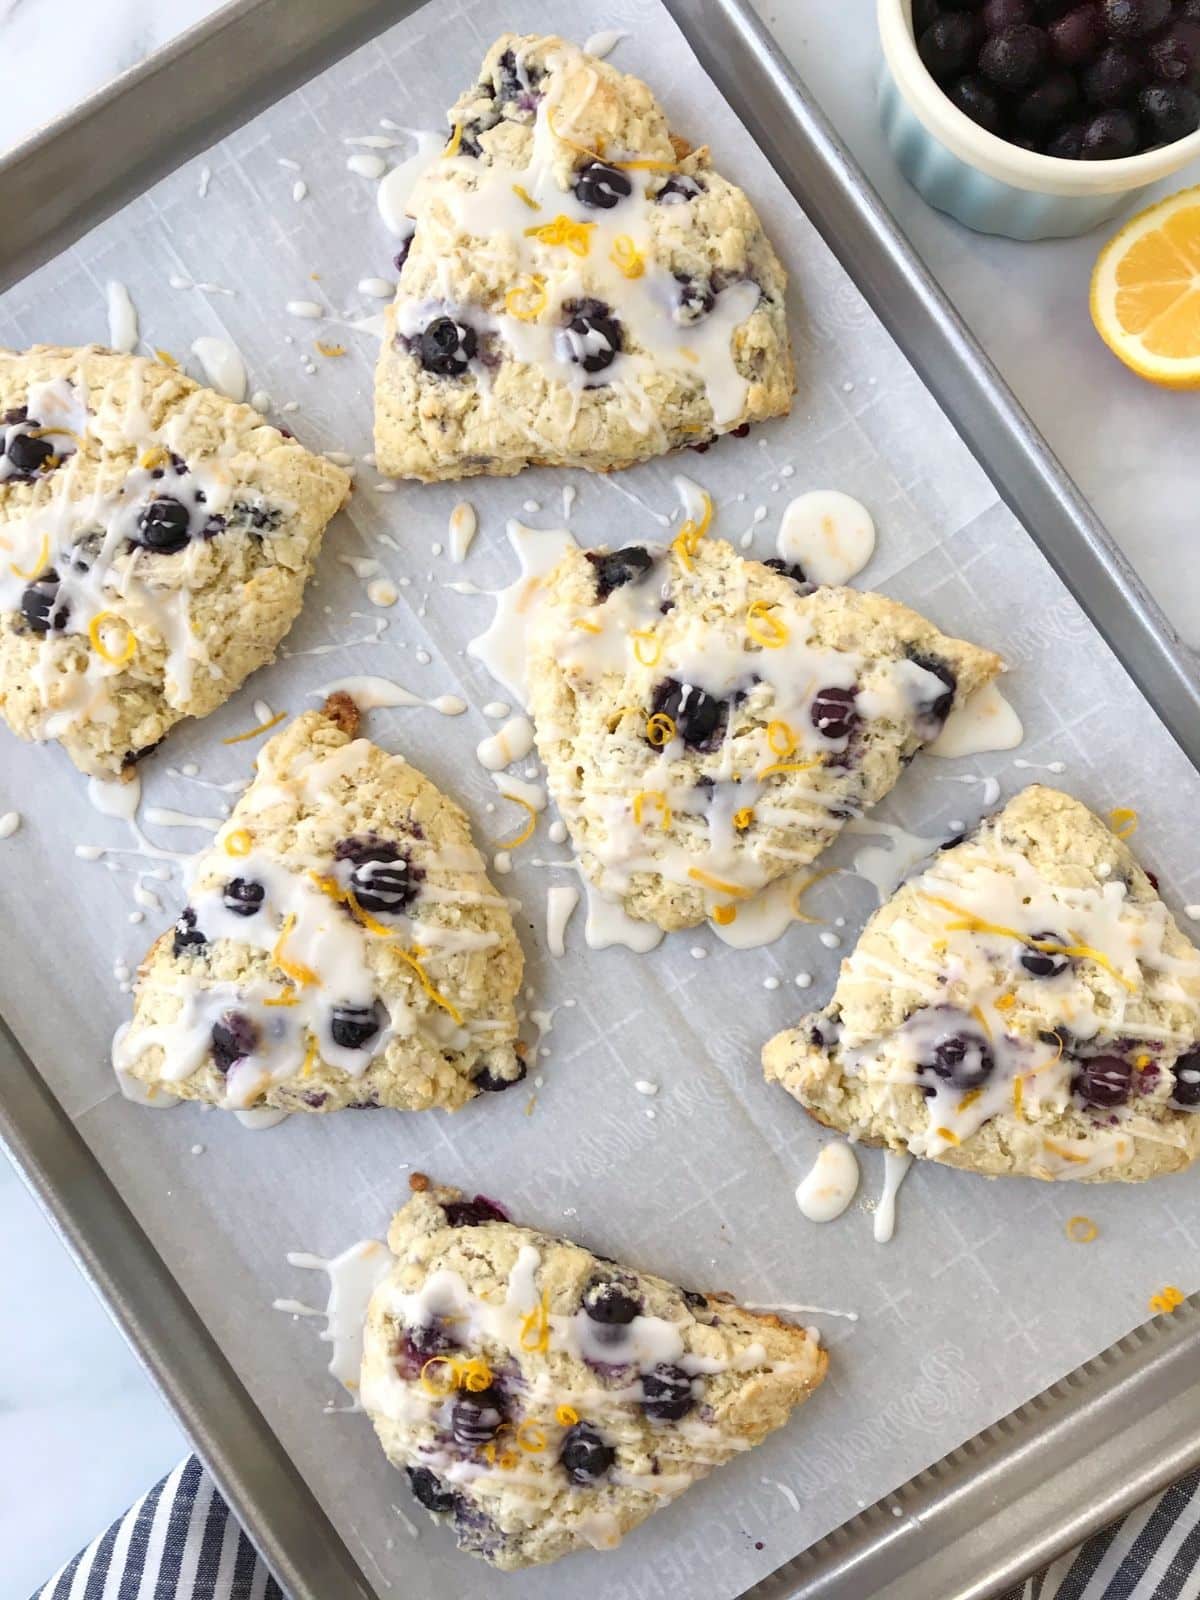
(243, 896)
(962, 1057)
(601, 186)
(976, 98)
(1131, 19)
(41, 606)
(947, 46)
(187, 935)
(608, 1303)
(489, 1082)
(1014, 58)
(476, 1418)
(446, 347)
(1103, 1081)
(695, 299)
(1169, 112)
(694, 1299)
(353, 1027)
(1109, 136)
(592, 337)
(1001, 14)
(1175, 55)
(27, 454)
(615, 568)
(1067, 143)
(1186, 1071)
(924, 13)
(382, 880)
(678, 190)
(584, 1456)
(790, 569)
(1047, 104)
(471, 1213)
(699, 718)
(233, 1037)
(416, 1346)
(163, 525)
(1112, 78)
(832, 712)
(1045, 963)
(401, 255)
(667, 1394)
(430, 1490)
(938, 708)
(254, 518)
(1078, 37)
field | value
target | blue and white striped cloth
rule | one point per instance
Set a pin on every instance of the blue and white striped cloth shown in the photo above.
(181, 1542)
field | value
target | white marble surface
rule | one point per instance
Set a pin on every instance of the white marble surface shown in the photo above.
(82, 1432)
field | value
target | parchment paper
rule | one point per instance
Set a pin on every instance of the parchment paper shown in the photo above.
(981, 1300)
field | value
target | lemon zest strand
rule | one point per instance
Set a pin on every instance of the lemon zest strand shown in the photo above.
(347, 897)
(743, 818)
(288, 997)
(1018, 1096)
(657, 799)
(525, 1437)
(535, 1327)
(1124, 821)
(151, 459)
(241, 839)
(687, 541)
(331, 350)
(567, 1415)
(166, 358)
(626, 257)
(97, 638)
(948, 1135)
(765, 629)
(587, 627)
(660, 729)
(43, 552)
(253, 733)
(575, 236)
(710, 881)
(526, 300)
(431, 1387)
(968, 1100)
(637, 164)
(411, 957)
(724, 915)
(1062, 1152)
(973, 924)
(523, 194)
(527, 831)
(803, 888)
(977, 1013)
(777, 731)
(639, 637)
(1167, 1300)
(1081, 1230)
(454, 144)
(294, 969)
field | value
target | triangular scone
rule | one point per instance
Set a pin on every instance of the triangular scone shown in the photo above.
(708, 724)
(544, 1399)
(155, 538)
(580, 289)
(341, 946)
(1025, 1006)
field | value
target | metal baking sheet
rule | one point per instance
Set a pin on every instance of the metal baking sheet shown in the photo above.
(949, 1526)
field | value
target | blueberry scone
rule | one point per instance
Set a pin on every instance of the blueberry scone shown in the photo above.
(709, 723)
(581, 289)
(1026, 1005)
(543, 1399)
(155, 540)
(341, 945)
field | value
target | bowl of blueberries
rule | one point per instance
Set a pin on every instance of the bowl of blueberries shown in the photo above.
(1039, 119)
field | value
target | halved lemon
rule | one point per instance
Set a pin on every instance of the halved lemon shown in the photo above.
(1145, 297)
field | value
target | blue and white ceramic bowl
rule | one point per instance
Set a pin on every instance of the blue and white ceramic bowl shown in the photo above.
(987, 183)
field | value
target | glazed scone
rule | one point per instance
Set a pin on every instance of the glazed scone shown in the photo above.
(544, 1399)
(580, 289)
(341, 946)
(1025, 1006)
(708, 723)
(156, 540)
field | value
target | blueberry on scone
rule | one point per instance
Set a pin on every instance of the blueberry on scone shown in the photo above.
(580, 289)
(709, 724)
(155, 540)
(1026, 1006)
(341, 947)
(541, 1399)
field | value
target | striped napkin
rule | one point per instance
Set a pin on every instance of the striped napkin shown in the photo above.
(181, 1542)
